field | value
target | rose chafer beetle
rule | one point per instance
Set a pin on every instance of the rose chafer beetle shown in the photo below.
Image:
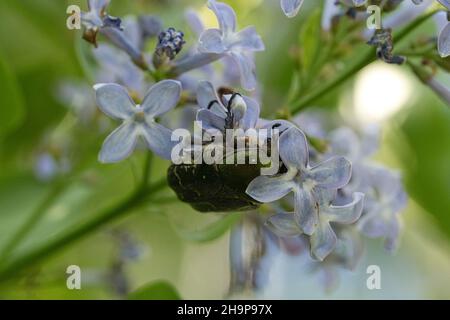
(219, 187)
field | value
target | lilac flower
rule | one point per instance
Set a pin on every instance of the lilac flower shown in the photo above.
(330, 10)
(323, 240)
(252, 250)
(227, 41)
(385, 197)
(301, 178)
(444, 41)
(346, 255)
(137, 120)
(78, 97)
(384, 202)
(345, 142)
(229, 74)
(93, 19)
(116, 66)
(96, 19)
(291, 7)
(444, 34)
(214, 112)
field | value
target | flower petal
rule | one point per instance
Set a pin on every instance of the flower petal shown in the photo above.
(247, 70)
(225, 16)
(247, 39)
(98, 5)
(445, 3)
(323, 241)
(283, 225)
(158, 139)
(373, 223)
(251, 116)
(206, 93)
(194, 22)
(347, 214)
(281, 125)
(391, 241)
(210, 121)
(291, 7)
(305, 210)
(294, 148)
(161, 98)
(119, 144)
(345, 142)
(114, 100)
(211, 41)
(333, 173)
(444, 41)
(268, 189)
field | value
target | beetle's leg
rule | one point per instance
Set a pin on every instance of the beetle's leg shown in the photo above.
(212, 103)
(277, 125)
(229, 123)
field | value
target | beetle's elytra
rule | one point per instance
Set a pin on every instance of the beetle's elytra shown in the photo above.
(214, 188)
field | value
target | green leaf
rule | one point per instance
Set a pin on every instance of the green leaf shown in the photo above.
(211, 232)
(12, 109)
(159, 290)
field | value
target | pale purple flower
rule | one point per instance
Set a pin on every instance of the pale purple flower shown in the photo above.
(116, 67)
(444, 41)
(346, 255)
(301, 178)
(96, 19)
(227, 41)
(252, 250)
(229, 74)
(358, 149)
(323, 240)
(291, 7)
(77, 96)
(93, 19)
(385, 196)
(330, 10)
(384, 201)
(137, 120)
(214, 112)
(45, 167)
(444, 34)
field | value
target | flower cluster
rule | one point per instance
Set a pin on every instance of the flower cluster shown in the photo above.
(327, 192)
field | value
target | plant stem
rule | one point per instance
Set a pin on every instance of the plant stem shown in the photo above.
(75, 233)
(146, 170)
(21, 233)
(365, 58)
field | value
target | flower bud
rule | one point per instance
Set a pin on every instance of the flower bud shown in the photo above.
(169, 45)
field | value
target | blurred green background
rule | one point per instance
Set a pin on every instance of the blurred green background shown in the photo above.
(37, 51)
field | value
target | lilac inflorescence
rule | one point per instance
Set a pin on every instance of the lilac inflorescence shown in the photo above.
(323, 200)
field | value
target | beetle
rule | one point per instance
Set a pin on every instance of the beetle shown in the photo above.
(216, 187)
